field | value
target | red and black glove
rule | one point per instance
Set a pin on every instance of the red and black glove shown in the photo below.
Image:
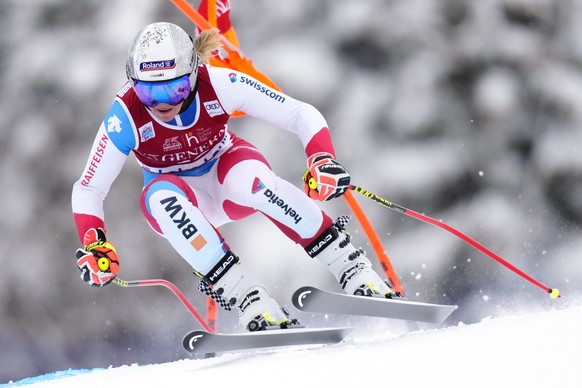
(325, 178)
(98, 260)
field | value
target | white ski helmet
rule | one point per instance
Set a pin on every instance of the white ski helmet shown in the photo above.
(162, 52)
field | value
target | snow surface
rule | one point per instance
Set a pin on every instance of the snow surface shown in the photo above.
(533, 349)
(466, 111)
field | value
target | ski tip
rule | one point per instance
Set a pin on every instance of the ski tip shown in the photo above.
(300, 297)
(194, 340)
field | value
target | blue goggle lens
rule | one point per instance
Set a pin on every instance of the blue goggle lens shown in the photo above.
(172, 92)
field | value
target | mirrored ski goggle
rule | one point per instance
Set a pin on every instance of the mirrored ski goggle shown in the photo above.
(172, 92)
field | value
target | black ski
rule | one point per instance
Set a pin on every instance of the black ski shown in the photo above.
(202, 342)
(316, 300)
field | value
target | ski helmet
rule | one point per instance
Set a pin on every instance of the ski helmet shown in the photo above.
(161, 52)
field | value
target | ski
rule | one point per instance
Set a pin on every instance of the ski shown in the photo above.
(202, 342)
(316, 300)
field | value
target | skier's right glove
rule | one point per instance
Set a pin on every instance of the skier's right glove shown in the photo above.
(325, 178)
(98, 260)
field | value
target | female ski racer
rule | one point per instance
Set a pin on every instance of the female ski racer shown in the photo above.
(172, 114)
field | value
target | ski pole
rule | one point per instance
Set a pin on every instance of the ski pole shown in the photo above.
(172, 287)
(554, 293)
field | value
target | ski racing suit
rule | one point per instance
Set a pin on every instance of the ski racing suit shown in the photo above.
(198, 175)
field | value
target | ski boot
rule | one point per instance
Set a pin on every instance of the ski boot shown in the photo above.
(350, 266)
(258, 311)
(232, 287)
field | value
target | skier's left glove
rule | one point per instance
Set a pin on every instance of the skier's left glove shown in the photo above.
(98, 260)
(325, 178)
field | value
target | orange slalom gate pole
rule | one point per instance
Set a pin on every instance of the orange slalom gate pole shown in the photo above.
(211, 314)
(195, 16)
(375, 241)
(192, 14)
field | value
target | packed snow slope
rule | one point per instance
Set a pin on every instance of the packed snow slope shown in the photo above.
(468, 111)
(530, 349)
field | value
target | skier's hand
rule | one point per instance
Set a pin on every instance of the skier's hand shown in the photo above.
(325, 178)
(98, 260)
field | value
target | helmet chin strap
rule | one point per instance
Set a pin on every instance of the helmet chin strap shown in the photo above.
(188, 101)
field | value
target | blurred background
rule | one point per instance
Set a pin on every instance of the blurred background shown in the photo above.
(468, 111)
